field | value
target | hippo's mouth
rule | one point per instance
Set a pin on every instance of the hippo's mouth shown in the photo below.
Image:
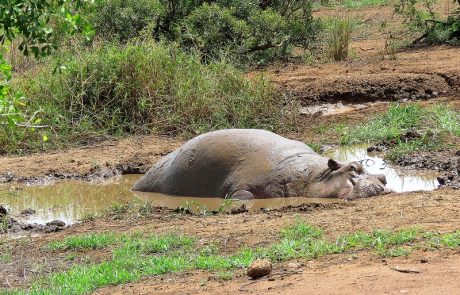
(365, 187)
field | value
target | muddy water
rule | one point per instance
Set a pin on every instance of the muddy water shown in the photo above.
(398, 180)
(72, 200)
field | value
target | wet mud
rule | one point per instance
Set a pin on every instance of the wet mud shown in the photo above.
(446, 162)
(32, 207)
(415, 74)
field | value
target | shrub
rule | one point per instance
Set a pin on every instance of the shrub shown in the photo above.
(419, 16)
(241, 29)
(143, 88)
(124, 19)
(213, 30)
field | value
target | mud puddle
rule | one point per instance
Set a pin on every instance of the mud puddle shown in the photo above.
(327, 109)
(399, 180)
(70, 201)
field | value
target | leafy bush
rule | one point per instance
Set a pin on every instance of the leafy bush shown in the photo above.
(125, 19)
(215, 30)
(237, 28)
(143, 88)
(420, 16)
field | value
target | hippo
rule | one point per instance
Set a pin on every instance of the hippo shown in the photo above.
(256, 164)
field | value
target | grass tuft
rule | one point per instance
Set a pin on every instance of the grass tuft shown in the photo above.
(90, 241)
(338, 38)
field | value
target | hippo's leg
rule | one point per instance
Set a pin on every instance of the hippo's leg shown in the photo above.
(242, 195)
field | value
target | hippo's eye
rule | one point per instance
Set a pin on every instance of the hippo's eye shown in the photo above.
(352, 169)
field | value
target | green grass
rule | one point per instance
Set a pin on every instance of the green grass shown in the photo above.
(140, 88)
(432, 124)
(6, 257)
(338, 38)
(353, 4)
(90, 241)
(138, 256)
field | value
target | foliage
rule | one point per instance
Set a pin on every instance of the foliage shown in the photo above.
(35, 23)
(428, 127)
(90, 241)
(145, 87)
(419, 15)
(239, 29)
(124, 19)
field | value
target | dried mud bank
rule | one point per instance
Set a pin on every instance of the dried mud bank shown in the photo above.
(91, 163)
(420, 73)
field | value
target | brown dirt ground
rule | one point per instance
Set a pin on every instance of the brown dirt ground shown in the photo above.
(438, 210)
(419, 73)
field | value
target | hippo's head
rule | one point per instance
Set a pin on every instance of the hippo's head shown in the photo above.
(348, 181)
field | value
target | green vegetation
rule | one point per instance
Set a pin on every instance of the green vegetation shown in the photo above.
(143, 88)
(240, 29)
(6, 257)
(137, 255)
(153, 66)
(37, 25)
(91, 241)
(406, 128)
(338, 38)
(420, 16)
(355, 4)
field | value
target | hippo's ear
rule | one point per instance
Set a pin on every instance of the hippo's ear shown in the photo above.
(333, 164)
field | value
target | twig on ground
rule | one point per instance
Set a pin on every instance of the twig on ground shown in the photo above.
(404, 270)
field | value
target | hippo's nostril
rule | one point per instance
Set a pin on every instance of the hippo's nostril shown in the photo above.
(381, 178)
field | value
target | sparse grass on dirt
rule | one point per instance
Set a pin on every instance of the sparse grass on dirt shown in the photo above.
(406, 128)
(137, 255)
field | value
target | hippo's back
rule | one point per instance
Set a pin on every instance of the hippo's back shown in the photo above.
(209, 164)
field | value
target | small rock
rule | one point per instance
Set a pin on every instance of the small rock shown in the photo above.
(3, 210)
(240, 209)
(260, 268)
(28, 211)
(423, 260)
(57, 223)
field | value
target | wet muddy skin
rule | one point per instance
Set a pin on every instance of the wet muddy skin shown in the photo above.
(70, 201)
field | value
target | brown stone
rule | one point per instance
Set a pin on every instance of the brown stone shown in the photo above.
(260, 268)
